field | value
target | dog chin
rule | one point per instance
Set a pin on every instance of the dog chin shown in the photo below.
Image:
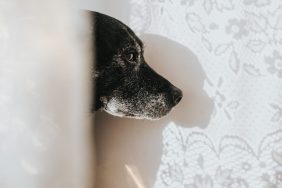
(133, 116)
(120, 113)
(116, 108)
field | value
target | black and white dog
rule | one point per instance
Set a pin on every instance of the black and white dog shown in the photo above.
(125, 85)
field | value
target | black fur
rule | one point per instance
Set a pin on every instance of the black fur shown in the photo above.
(125, 85)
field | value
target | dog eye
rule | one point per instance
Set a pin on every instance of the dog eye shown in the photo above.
(130, 57)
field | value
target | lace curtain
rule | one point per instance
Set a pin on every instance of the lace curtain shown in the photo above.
(238, 45)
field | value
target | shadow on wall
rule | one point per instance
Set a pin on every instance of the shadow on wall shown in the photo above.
(129, 151)
(182, 68)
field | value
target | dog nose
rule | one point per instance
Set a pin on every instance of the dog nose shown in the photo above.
(176, 95)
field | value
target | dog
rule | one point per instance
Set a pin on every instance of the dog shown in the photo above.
(124, 84)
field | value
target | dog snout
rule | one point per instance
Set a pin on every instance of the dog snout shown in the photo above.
(176, 95)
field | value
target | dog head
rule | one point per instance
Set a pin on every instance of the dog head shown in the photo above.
(125, 85)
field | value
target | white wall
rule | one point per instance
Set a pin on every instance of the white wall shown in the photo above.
(118, 9)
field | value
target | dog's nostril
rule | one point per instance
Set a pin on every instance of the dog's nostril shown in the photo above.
(176, 95)
(177, 99)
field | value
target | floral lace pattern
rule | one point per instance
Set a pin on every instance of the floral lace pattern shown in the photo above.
(239, 47)
(192, 160)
